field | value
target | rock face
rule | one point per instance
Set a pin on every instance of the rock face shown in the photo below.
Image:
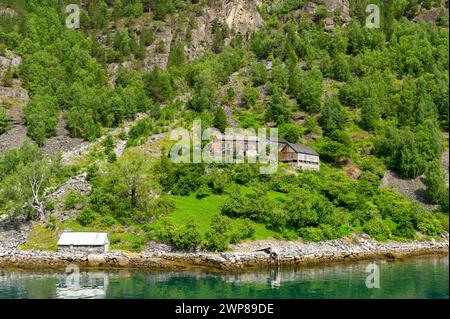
(241, 17)
(342, 6)
(7, 12)
(77, 183)
(161, 59)
(431, 15)
(9, 60)
(15, 93)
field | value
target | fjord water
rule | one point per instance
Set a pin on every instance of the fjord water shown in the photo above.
(410, 278)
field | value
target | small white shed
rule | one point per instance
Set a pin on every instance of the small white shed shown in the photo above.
(83, 242)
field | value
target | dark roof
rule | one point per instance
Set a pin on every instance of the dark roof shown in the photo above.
(302, 149)
(278, 140)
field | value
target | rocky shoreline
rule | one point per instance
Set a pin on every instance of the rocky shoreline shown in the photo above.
(241, 256)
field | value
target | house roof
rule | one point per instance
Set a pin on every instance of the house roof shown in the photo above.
(302, 149)
(83, 239)
(278, 140)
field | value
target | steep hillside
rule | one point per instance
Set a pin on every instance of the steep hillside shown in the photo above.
(99, 102)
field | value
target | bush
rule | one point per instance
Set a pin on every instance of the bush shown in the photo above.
(218, 236)
(73, 200)
(187, 237)
(329, 232)
(377, 228)
(244, 230)
(41, 117)
(236, 205)
(249, 96)
(244, 173)
(166, 230)
(217, 182)
(277, 219)
(163, 206)
(404, 229)
(311, 234)
(443, 202)
(86, 217)
(203, 191)
(435, 182)
(49, 206)
(107, 221)
(429, 225)
(290, 132)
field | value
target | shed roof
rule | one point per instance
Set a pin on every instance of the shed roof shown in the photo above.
(83, 239)
(302, 149)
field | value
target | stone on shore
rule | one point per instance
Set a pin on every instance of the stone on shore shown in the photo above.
(96, 260)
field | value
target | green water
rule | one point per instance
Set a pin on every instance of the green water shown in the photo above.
(411, 278)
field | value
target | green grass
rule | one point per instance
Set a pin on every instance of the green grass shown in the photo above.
(202, 210)
(43, 237)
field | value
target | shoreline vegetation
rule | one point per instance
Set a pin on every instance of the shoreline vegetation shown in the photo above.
(240, 257)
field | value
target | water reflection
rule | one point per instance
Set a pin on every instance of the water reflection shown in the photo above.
(413, 278)
(87, 285)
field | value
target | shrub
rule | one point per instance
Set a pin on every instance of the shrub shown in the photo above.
(244, 173)
(215, 241)
(443, 202)
(107, 221)
(290, 132)
(86, 217)
(249, 96)
(329, 232)
(311, 234)
(187, 237)
(51, 223)
(166, 230)
(377, 228)
(50, 206)
(428, 224)
(217, 238)
(203, 191)
(217, 181)
(404, 229)
(73, 200)
(91, 171)
(435, 182)
(163, 206)
(109, 144)
(236, 205)
(244, 230)
(277, 219)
